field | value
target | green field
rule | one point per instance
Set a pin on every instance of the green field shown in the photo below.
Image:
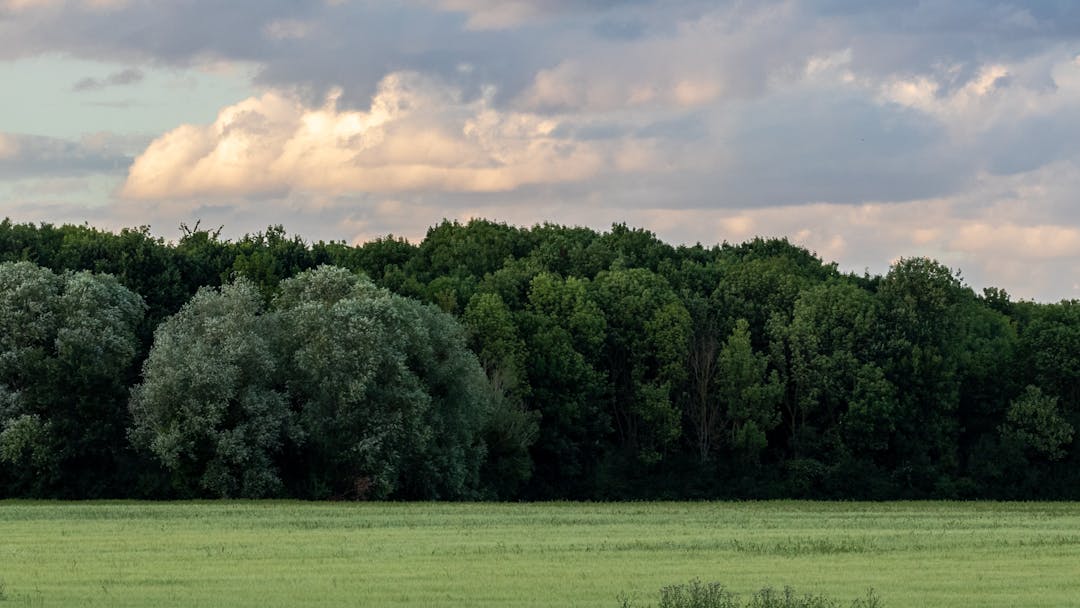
(370, 554)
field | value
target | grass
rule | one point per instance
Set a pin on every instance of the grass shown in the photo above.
(518, 555)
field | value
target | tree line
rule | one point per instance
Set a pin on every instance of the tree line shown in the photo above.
(497, 362)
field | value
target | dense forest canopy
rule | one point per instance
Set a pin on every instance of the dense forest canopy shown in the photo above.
(496, 362)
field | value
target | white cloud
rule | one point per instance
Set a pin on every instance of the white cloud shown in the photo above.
(417, 135)
(968, 102)
(998, 93)
(1023, 242)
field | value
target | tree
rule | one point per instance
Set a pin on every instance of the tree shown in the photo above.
(494, 338)
(922, 303)
(839, 398)
(67, 346)
(267, 258)
(749, 393)
(648, 334)
(212, 405)
(703, 410)
(988, 371)
(1050, 350)
(570, 252)
(339, 389)
(390, 398)
(511, 429)
(564, 331)
(761, 280)
(472, 250)
(1034, 421)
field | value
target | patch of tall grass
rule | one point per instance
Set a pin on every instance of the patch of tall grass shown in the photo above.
(696, 594)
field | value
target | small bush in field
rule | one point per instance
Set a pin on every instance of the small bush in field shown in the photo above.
(696, 594)
(770, 598)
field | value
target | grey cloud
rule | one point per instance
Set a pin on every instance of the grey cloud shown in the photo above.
(890, 37)
(121, 78)
(842, 150)
(687, 128)
(113, 103)
(1024, 145)
(683, 129)
(352, 45)
(36, 156)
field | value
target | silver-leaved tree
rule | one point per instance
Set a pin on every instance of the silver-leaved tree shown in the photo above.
(335, 389)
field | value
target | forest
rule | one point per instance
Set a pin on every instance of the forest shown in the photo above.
(494, 362)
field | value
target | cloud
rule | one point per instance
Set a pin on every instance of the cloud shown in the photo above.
(30, 155)
(16, 6)
(997, 92)
(9, 146)
(121, 78)
(488, 14)
(504, 14)
(288, 29)
(865, 129)
(417, 135)
(728, 53)
(1023, 242)
(1001, 232)
(690, 51)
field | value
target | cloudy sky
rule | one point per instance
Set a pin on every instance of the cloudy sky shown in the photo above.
(865, 130)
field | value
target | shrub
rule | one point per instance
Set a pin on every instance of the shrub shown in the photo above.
(696, 594)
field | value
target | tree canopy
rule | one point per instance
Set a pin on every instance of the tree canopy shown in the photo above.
(493, 361)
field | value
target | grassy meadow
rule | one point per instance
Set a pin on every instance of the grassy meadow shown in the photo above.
(518, 555)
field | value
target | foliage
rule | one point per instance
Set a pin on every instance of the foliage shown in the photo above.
(211, 406)
(68, 343)
(339, 388)
(498, 361)
(750, 395)
(696, 594)
(1035, 422)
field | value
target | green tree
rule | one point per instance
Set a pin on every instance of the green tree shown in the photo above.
(511, 429)
(564, 331)
(267, 258)
(987, 372)
(923, 303)
(647, 340)
(749, 392)
(68, 344)
(760, 280)
(1050, 350)
(1035, 422)
(839, 399)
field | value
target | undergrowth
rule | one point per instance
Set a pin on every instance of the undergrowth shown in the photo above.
(696, 594)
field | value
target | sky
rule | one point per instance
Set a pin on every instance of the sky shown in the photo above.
(864, 130)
